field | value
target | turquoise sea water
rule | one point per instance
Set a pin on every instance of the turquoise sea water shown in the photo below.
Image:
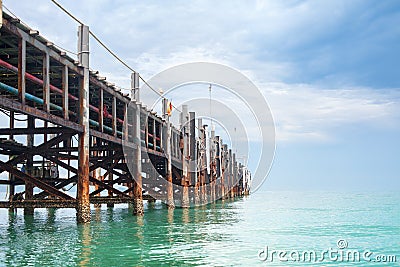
(222, 234)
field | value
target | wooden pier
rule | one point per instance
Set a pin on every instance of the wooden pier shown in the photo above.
(65, 128)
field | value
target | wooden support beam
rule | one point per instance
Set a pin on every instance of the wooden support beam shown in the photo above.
(21, 70)
(110, 179)
(100, 189)
(114, 116)
(46, 82)
(27, 178)
(43, 194)
(11, 177)
(108, 187)
(101, 109)
(65, 92)
(185, 159)
(234, 177)
(83, 208)
(221, 189)
(37, 149)
(38, 130)
(203, 162)
(29, 165)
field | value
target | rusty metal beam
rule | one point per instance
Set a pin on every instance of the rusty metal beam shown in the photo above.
(39, 130)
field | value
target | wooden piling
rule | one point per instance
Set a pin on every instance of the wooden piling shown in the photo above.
(202, 162)
(29, 166)
(137, 163)
(218, 158)
(170, 188)
(192, 154)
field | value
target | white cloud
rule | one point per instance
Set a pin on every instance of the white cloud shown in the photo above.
(309, 113)
(245, 35)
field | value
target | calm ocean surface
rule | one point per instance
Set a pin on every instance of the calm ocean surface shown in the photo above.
(223, 234)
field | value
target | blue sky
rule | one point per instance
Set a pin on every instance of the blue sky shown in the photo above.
(328, 69)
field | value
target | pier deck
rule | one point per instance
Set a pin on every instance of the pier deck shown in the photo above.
(64, 126)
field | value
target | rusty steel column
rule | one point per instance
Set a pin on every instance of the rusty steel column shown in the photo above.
(101, 109)
(65, 92)
(137, 164)
(234, 175)
(29, 165)
(212, 166)
(185, 164)
(114, 116)
(96, 173)
(225, 171)
(11, 176)
(202, 161)
(241, 180)
(170, 187)
(218, 158)
(192, 152)
(83, 208)
(229, 173)
(111, 178)
(197, 186)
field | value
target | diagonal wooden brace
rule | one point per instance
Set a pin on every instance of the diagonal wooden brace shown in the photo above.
(27, 178)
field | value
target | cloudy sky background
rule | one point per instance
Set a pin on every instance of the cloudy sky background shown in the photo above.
(328, 69)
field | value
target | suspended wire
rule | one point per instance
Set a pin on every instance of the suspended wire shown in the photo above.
(6, 112)
(67, 12)
(111, 52)
(9, 11)
(23, 23)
